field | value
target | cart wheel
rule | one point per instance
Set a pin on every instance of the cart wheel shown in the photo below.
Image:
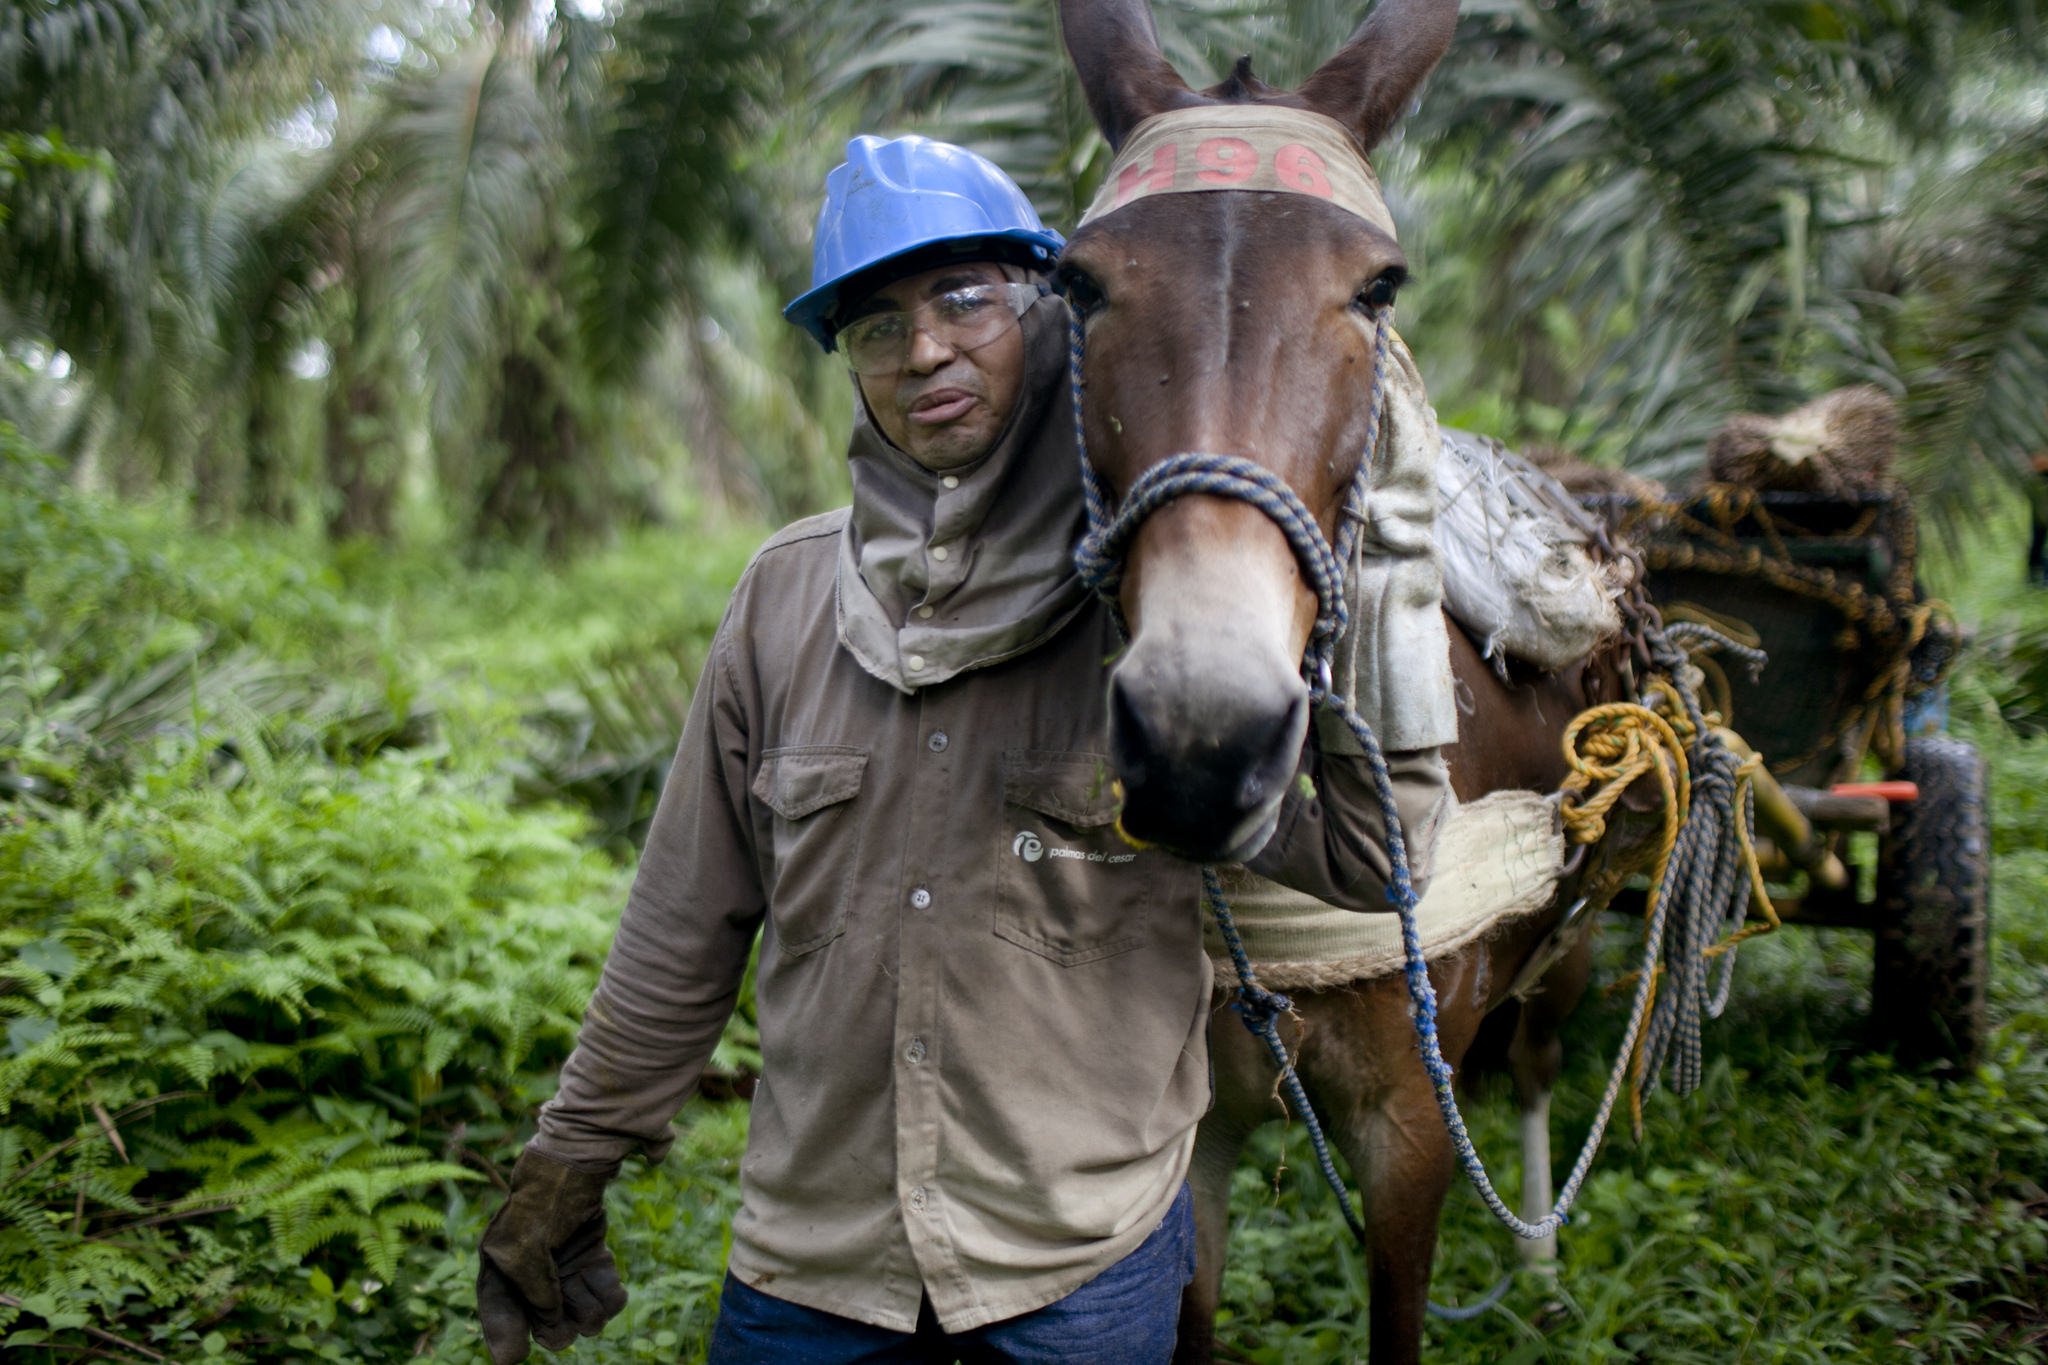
(1932, 961)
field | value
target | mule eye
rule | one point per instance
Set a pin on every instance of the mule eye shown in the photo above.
(1380, 292)
(1081, 292)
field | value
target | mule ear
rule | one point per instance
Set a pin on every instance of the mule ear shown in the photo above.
(1116, 54)
(1371, 79)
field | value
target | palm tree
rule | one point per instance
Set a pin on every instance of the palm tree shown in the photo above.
(511, 203)
(1702, 186)
(93, 262)
(1651, 214)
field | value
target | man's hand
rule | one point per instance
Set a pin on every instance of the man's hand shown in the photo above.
(543, 1269)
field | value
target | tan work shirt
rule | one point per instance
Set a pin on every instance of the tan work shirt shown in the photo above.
(982, 1013)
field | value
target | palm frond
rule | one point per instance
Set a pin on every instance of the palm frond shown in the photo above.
(1972, 327)
(992, 75)
(665, 180)
(469, 165)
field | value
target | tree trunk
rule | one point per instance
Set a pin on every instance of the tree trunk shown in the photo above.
(540, 485)
(266, 482)
(360, 484)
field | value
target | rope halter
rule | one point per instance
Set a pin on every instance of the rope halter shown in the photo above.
(1099, 556)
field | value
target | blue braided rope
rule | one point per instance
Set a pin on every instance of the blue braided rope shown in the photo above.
(1422, 995)
(1099, 556)
(1259, 1010)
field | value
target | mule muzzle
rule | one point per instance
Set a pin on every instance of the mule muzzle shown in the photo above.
(1204, 763)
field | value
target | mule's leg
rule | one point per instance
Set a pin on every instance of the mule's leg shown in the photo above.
(1218, 1144)
(1379, 1112)
(1406, 1160)
(1243, 1078)
(1535, 1057)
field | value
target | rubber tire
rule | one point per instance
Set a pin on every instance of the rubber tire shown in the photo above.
(1932, 962)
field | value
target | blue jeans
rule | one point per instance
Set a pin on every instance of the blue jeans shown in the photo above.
(1124, 1316)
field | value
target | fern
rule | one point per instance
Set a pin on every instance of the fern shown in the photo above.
(298, 979)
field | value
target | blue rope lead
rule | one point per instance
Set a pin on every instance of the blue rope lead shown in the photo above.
(1260, 1009)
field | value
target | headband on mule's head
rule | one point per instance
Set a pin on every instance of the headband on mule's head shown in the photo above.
(1243, 147)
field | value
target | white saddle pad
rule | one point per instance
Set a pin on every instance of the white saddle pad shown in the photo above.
(1496, 860)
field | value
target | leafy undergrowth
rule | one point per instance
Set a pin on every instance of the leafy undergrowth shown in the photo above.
(307, 860)
(293, 933)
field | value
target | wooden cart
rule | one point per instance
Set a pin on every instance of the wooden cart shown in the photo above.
(1849, 713)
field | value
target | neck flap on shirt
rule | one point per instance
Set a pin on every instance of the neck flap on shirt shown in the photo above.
(1008, 526)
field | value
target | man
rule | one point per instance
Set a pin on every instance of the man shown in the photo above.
(983, 1016)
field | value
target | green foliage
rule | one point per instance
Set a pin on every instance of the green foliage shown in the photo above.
(413, 259)
(280, 979)
(282, 1003)
(32, 152)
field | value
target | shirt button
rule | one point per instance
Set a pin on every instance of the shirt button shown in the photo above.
(915, 1052)
(917, 1198)
(920, 899)
(951, 481)
(937, 743)
(940, 553)
(924, 613)
(916, 663)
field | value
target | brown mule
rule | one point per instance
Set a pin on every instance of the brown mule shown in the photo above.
(1355, 1045)
(1236, 322)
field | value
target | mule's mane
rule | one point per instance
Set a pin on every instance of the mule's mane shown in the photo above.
(1240, 86)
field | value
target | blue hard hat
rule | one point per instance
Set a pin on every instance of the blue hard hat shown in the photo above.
(892, 198)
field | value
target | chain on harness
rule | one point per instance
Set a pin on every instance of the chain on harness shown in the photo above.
(1694, 868)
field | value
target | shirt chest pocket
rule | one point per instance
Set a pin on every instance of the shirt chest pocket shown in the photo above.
(1071, 889)
(814, 839)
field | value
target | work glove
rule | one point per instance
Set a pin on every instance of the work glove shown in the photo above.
(543, 1269)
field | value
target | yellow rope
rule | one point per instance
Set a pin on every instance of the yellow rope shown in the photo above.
(1609, 747)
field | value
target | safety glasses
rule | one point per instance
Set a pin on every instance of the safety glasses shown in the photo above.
(959, 319)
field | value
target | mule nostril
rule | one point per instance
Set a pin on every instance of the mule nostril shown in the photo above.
(1131, 739)
(1268, 748)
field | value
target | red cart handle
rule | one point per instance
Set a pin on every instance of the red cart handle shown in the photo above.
(1890, 791)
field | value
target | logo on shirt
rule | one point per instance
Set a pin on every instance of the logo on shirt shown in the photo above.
(1031, 848)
